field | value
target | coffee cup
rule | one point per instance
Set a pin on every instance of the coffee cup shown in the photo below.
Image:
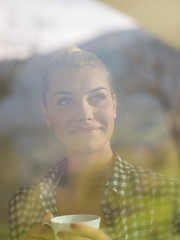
(63, 223)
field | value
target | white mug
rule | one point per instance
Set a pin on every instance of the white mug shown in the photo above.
(63, 223)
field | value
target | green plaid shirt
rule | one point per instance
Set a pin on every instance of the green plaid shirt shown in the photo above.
(138, 204)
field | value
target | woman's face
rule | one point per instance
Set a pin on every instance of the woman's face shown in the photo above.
(80, 108)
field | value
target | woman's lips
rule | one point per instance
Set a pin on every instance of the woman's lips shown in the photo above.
(85, 130)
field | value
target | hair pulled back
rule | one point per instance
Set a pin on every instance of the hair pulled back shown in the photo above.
(72, 57)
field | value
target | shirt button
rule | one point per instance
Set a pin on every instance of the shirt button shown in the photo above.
(108, 210)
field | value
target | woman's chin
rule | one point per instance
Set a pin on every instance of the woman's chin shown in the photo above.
(88, 147)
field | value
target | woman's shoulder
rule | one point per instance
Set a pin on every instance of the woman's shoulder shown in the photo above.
(22, 196)
(23, 191)
(147, 180)
(144, 179)
(32, 190)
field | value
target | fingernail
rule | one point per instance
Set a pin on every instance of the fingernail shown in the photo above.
(74, 225)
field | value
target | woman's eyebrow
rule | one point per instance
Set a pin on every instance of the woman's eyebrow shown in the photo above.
(69, 93)
(98, 88)
(62, 92)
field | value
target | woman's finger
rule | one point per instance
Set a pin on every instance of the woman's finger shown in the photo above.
(48, 217)
(41, 231)
(70, 236)
(88, 232)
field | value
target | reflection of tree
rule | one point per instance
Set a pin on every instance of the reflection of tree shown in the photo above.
(156, 72)
(6, 78)
(8, 72)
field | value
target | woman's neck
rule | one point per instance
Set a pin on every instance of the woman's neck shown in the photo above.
(84, 170)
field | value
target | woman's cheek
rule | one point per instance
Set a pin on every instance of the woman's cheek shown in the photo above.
(108, 112)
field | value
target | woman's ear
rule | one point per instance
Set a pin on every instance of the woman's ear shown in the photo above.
(114, 104)
(45, 115)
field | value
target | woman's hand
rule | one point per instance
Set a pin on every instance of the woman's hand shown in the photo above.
(83, 232)
(39, 231)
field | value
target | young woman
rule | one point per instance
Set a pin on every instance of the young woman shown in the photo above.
(79, 103)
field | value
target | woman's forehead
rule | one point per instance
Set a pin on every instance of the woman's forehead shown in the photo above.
(78, 79)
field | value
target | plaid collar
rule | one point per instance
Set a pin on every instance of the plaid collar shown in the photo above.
(120, 176)
(118, 182)
(49, 184)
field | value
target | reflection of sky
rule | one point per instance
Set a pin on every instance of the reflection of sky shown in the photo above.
(43, 25)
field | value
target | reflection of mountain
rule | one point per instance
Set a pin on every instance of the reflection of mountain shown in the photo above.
(20, 111)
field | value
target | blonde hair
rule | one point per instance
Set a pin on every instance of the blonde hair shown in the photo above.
(72, 57)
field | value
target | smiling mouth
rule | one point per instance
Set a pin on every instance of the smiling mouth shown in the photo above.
(85, 130)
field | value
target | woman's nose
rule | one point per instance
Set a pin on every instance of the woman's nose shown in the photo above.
(84, 113)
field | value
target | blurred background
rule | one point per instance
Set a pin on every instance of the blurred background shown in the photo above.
(145, 70)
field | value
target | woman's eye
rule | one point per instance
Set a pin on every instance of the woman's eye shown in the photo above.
(64, 101)
(98, 97)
